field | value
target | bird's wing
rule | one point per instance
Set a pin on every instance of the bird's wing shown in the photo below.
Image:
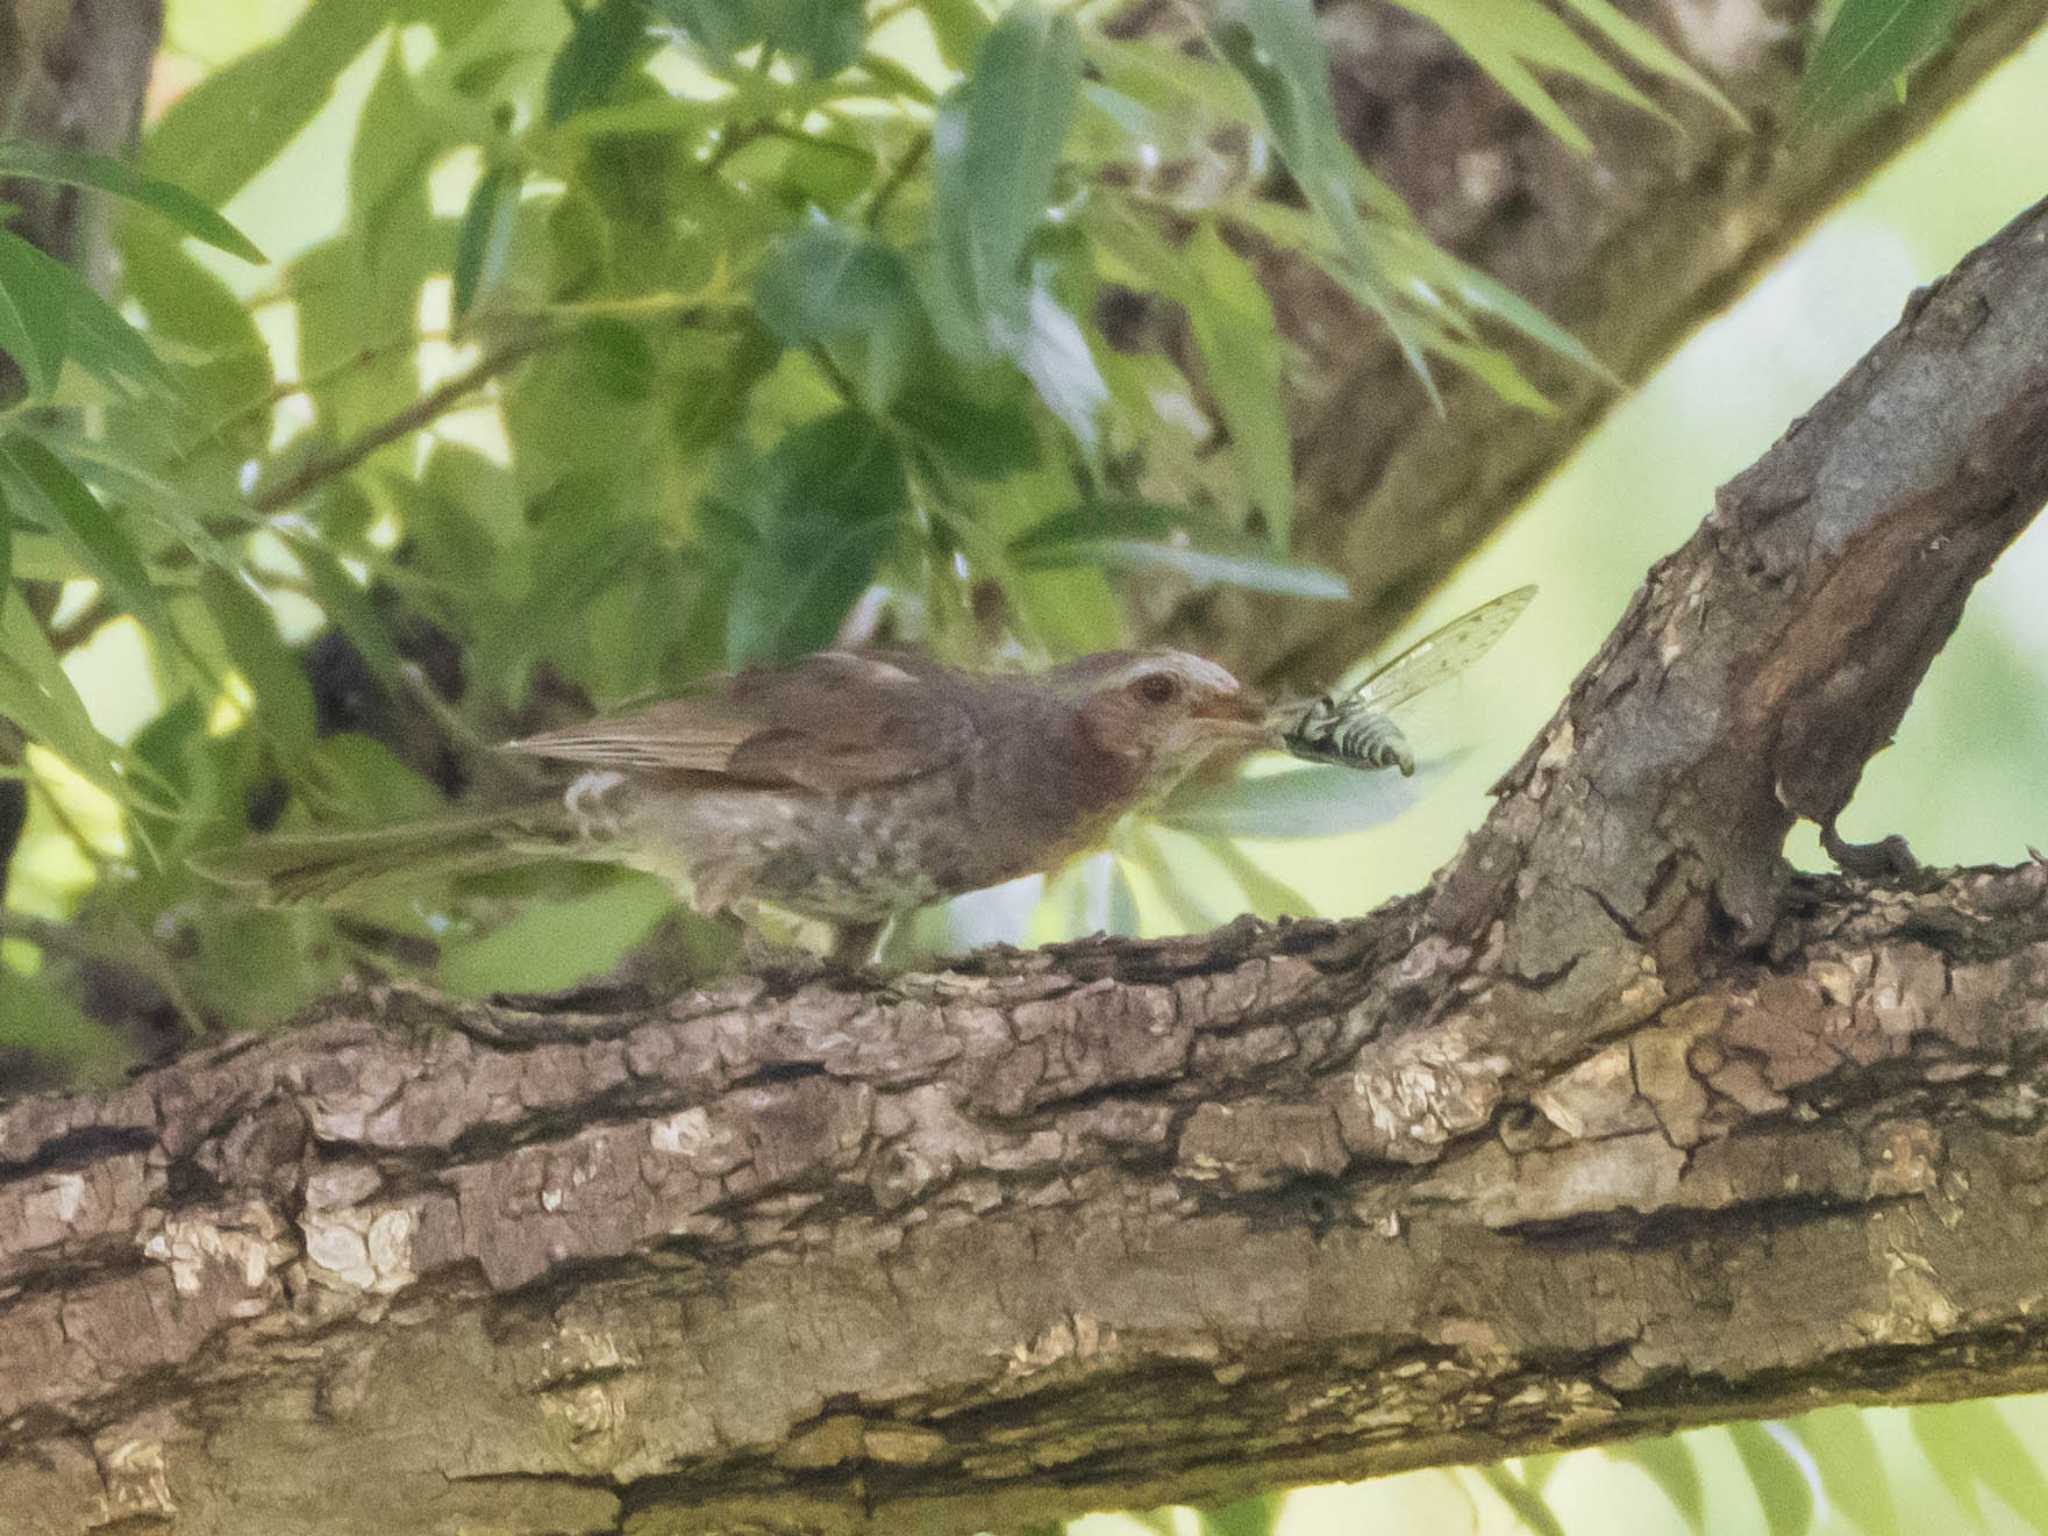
(834, 722)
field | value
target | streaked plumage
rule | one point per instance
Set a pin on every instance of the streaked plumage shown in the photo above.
(849, 786)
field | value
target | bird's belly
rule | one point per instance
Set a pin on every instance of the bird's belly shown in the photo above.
(849, 858)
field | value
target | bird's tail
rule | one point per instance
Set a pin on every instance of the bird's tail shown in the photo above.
(291, 868)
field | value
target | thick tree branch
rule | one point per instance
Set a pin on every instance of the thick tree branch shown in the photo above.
(1632, 246)
(1615, 1127)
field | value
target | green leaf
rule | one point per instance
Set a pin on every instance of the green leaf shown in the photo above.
(1131, 534)
(556, 943)
(219, 134)
(92, 534)
(32, 330)
(1671, 1466)
(1312, 802)
(806, 529)
(827, 283)
(43, 162)
(1781, 1483)
(1868, 45)
(48, 313)
(1511, 39)
(996, 144)
(825, 34)
(1647, 49)
(284, 700)
(1052, 352)
(1247, 1517)
(36, 693)
(1239, 340)
(981, 441)
(485, 238)
(1972, 1443)
(44, 1021)
(1852, 1473)
(6, 545)
(958, 26)
(373, 787)
(1266, 895)
(1274, 44)
(1528, 1505)
(601, 46)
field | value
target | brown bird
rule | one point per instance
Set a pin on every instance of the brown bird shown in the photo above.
(851, 787)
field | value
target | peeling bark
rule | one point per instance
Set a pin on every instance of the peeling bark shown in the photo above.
(1631, 246)
(1616, 1127)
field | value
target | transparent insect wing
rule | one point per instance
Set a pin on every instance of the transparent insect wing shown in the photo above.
(1438, 656)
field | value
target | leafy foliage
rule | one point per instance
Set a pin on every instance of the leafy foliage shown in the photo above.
(1868, 49)
(658, 337)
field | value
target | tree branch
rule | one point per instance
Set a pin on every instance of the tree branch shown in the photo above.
(1631, 246)
(1616, 1127)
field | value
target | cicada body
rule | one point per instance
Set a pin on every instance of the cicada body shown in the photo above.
(1355, 728)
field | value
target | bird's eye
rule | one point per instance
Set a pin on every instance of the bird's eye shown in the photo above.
(1158, 688)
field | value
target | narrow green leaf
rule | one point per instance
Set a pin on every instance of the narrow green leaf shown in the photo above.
(1512, 39)
(996, 144)
(601, 45)
(48, 313)
(1275, 46)
(1868, 45)
(1782, 1486)
(36, 693)
(43, 162)
(1671, 1466)
(958, 26)
(284, 700)
(1649, 50)
(1311, 802)
(31, 328)
(485, 238)
(1852, 1473)
(92, 534)
(805, 529)
(1528, 1505)
(1266, 895)
(1051, 350)
(220, 133)
(38, 1018)
(1139, 534)
(1235, 331)
(556, 943)
(1248, 1517)
(1971, 1444)
(348, 609)
(825, 34)
(6, 545)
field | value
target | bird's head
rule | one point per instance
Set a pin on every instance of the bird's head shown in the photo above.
(1161, 713)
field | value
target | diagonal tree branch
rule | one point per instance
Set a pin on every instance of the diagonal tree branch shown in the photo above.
(1615, 1127)
(1631, 246)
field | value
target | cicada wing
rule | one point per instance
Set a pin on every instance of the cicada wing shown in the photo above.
(1438, 656)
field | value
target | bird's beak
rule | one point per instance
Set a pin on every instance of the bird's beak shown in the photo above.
(1238, 717)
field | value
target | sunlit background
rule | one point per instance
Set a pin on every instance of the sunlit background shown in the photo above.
(1963, 782)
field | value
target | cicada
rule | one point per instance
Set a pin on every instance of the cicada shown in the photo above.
(1354, 728)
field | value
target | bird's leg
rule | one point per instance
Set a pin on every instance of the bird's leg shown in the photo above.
(853, 945)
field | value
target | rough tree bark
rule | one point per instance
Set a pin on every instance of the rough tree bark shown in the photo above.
(1631, 246)
(1615, 1127)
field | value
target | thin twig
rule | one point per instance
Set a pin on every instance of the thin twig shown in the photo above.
(435, 403)
(898, 175)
